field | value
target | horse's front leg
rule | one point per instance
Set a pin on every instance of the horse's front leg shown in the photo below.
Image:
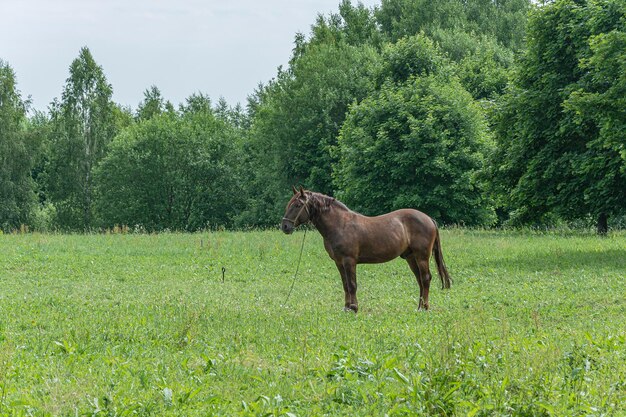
(349, 267)
(346, 288)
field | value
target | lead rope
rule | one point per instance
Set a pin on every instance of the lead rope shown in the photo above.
(297, 268)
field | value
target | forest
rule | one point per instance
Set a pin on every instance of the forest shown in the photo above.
(481, 113)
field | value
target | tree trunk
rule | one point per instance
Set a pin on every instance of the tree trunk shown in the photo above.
(603, 226)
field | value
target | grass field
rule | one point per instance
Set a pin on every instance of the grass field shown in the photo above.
(144, 325)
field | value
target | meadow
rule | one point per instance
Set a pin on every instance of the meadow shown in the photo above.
(198, 324)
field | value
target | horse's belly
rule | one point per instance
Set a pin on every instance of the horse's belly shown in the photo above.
(390, 243)
(364, 247)
(374, 260)
(379, 256)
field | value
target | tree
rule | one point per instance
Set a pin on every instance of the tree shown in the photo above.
(18, 153)
(83, 124)
(503, 20)
(411, 56)
(172, 171)
(297, 120)
(600, 101)
(557, 151)
(297, 117)
(483, 66)
(416, 144)
(353, 25)
(152, 104)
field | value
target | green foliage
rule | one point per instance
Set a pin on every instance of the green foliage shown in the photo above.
(297, 122)
(557, 154)
(297, 118)
(419, 144)
(601, 97)
(503, 20)
(144, 325)
(172, 171)
(83, 123)
(412, 56)
(400, 73)
(152, 105)
(353, 25)
(324, 83)
(485, 73)
(18, 154)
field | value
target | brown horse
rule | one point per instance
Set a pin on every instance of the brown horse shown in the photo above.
(351, 238)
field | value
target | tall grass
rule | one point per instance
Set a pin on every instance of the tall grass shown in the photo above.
(196, 324)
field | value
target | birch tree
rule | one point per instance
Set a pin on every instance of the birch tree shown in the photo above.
(83, 124)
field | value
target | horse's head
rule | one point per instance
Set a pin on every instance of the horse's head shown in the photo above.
(297, 211)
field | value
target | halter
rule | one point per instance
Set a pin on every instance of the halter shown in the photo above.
(304, 207)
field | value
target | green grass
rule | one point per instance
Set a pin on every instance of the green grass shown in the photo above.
(143, 325)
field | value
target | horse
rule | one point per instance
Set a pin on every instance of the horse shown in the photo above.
(351, 238)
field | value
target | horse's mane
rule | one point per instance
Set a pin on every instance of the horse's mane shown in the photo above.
(321, 203)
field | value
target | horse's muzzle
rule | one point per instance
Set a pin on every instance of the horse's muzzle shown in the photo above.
(287, 228)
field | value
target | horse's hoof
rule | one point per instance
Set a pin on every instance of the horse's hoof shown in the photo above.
(351, 309)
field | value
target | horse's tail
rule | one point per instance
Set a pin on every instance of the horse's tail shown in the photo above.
(441, 265)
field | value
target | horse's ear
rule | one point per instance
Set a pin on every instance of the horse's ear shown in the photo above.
(302, 191)
(294, 189)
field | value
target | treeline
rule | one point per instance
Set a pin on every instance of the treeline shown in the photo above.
(477, 112)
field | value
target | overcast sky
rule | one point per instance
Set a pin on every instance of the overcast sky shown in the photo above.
(220, 48)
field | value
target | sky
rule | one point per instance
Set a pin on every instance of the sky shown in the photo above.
(220, 48)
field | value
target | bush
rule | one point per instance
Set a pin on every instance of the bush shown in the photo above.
(171, 171)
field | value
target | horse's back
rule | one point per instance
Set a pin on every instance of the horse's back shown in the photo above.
(414, 220)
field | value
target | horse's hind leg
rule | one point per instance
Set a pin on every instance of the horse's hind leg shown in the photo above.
(413, 265)
(421, 269)
(424, 267)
